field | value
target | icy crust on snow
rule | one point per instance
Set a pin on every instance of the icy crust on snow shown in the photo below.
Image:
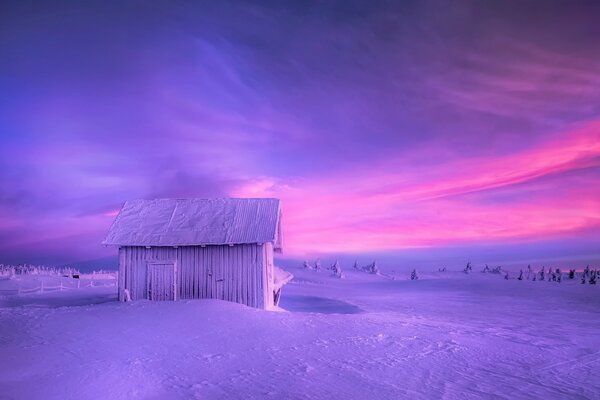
(181, 222)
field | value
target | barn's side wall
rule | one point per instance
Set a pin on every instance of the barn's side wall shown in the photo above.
(234, 273)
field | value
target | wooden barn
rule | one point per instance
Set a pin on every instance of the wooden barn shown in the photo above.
(172, 249)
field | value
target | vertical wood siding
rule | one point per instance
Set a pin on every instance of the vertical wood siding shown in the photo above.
(238, 273)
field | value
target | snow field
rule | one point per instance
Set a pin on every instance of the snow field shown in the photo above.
(444, 336)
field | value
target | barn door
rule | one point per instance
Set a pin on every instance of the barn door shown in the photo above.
(162, 282)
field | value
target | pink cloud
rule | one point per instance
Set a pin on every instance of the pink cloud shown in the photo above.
(399, 203)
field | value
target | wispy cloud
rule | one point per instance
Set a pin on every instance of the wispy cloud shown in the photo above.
(394, 205)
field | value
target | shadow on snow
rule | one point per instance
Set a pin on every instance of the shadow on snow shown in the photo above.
(314, 304)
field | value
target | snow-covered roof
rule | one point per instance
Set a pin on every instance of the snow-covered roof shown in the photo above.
(191, 222)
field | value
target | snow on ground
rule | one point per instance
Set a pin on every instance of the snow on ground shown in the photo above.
(445, 336)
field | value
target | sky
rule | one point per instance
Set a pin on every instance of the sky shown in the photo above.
(462, 129)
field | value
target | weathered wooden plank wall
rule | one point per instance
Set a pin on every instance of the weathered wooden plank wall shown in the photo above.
(240, 273)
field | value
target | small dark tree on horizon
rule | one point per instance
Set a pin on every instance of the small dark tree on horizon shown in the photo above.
(413, 275)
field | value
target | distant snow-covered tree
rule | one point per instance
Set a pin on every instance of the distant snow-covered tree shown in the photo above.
(413, 275)
(468, 268)
(355, 266)
(593, 277)
(542, 273)
(520, 275)
(558, 275)
(486, 269)
(571, 273)
(318, 264)
(372, 268)
(337, 269)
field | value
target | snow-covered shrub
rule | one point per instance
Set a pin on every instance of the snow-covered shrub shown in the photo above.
(496, 270)
(413, 275)
(558, 275)
(486, 268)
(593, 277)
(318, 264)
(571, 273)
(520, 277)
(506, 276)
(542, 273)
(307, 265)
(355, 266)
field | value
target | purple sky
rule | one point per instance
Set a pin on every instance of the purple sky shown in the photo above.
(385, 127)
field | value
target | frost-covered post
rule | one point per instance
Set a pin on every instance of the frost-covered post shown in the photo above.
(413, 275)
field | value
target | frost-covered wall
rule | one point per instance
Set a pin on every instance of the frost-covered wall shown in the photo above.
(241, 273)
